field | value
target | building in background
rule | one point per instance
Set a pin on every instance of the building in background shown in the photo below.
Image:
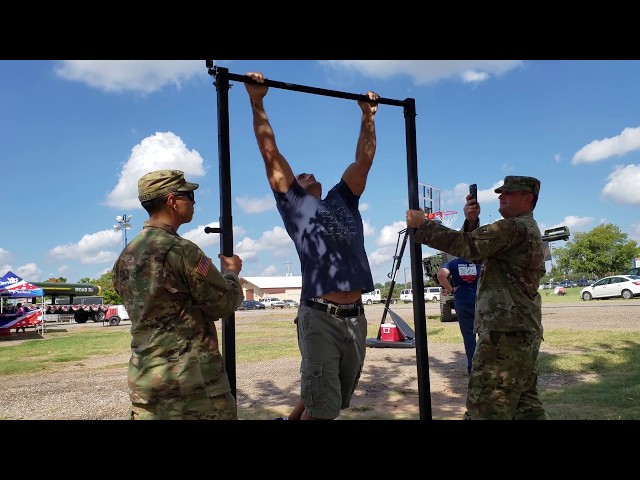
(285, 288)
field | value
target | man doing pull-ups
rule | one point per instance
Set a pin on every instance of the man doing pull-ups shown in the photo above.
(328, 236)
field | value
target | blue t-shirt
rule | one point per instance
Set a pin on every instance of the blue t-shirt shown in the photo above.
(464, 276)
(329, 238)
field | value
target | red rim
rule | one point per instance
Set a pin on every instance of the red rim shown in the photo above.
(446, 213)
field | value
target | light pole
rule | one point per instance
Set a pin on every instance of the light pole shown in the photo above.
(405, 276)
(124, 224)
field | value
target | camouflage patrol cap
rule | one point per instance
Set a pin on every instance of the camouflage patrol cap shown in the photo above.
(515, 184)
(163, 182)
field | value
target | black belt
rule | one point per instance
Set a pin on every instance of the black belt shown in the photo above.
(335, 309)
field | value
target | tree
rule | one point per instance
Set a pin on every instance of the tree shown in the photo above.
(603, 251)
(108, 292)
(56, 280)
(384, 291)
(85, 280)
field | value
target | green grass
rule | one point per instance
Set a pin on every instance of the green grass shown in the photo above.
(59, 349)
(270, 340)
(572, 295)
(605, 365)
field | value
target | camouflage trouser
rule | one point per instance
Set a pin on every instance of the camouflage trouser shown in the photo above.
(222, 407)
(504, 377)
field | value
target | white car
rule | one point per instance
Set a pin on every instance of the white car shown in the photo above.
(431, 294)
(406, 295)
(291, 303)
(273, 302)
(625, 286)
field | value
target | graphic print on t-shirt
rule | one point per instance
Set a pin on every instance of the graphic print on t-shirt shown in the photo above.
(468, 273)
(336, 218)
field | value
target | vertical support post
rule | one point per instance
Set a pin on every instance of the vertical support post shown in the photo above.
(415, 249)
(226, 222)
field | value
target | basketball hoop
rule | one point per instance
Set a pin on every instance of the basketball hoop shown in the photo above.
(447, 218)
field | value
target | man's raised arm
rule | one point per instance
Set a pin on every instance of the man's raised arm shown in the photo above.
(279, 171)
(356, 174)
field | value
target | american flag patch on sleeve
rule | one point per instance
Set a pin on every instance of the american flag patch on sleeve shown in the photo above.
(203, 266)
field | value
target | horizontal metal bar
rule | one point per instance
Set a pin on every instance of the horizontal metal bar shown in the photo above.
(314, 90)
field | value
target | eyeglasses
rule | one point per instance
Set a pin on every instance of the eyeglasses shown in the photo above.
(190, 195)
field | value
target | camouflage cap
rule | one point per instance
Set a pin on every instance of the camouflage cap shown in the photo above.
(163, 182)
(515, 184)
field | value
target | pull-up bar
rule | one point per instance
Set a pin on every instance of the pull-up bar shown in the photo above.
(306, 89)
(222, 77)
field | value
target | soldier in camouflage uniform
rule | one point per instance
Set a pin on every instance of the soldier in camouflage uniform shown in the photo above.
(173, 294)
(508, 317)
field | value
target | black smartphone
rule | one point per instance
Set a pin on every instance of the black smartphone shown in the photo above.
(473, 191)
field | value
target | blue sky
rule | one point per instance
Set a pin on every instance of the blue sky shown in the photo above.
(77, 135)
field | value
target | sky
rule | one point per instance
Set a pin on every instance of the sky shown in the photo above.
(77, 135)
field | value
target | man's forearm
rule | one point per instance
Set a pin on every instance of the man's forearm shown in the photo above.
(261, 126)
(366, 147)
(470, 226)
(444, 282)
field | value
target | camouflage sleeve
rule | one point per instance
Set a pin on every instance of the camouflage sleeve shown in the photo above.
(480, 243)
(217, 294)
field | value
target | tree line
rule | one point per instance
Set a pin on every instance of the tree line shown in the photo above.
(601, 252)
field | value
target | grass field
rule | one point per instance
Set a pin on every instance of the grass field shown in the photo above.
(592, 361)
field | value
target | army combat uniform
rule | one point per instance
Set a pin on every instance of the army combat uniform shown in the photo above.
(508, 316)
(173, 294)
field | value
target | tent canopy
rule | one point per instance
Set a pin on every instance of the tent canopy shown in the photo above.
(12, 286)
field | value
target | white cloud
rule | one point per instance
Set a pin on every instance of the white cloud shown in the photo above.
(277, 238)
(427, 71)
(454, 200)
(390, 233)
(575, 224)
(368, 229)
(627, 141)
(164, 150)
(99, 247)
(29, 272)
(381, 256)
(140, 76)
(247, 248)
(622, 185)
(198, 236)
(4, 255)
(276, 241)
(270, 271)
(256, 204)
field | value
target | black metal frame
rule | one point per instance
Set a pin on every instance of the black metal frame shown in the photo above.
(221, 82)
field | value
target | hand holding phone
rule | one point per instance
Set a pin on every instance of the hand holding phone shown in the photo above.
(473, 191)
